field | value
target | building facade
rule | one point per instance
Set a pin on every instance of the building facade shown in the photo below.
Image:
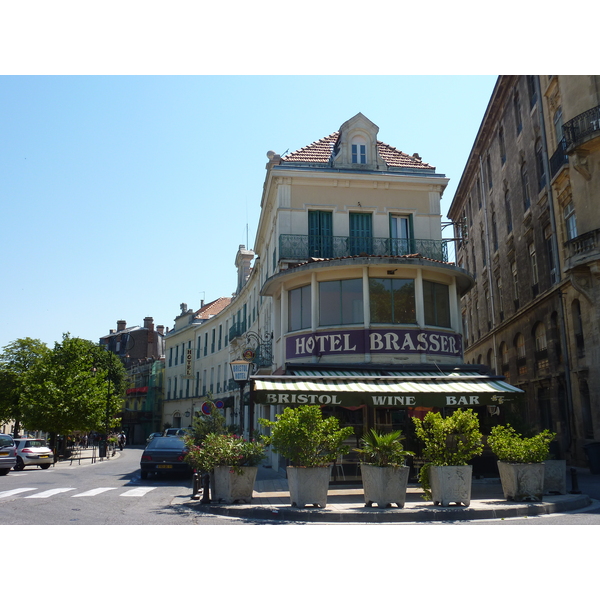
(526, 216)
(141, 350)
(348, 300)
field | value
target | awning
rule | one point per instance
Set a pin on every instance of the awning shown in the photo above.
(394, 389)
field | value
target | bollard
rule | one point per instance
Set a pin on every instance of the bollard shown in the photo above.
(206, 484)
(575, 487)
(196, 486)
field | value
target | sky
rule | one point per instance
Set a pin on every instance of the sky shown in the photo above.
(124, 196)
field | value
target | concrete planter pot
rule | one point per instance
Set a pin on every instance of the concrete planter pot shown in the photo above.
(522, 481)
(451, 484)
(308, 485)
(384, 485)
(555, 477)
(229, 486)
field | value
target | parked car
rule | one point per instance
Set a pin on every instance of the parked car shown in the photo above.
(8, 453)
(165, 455)
(34, 452)
(175, 431)
(153, 435)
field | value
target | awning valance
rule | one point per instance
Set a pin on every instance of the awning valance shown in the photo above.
(400, 389)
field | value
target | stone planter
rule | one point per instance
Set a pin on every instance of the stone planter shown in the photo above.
(228, 486)
(384, 485)
(451, 484)
(308, 485)
(522, 481)
(555, 477)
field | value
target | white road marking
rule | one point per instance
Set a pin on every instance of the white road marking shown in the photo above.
(17, 491)
(51, 492)
(93, 492)
(141, 491)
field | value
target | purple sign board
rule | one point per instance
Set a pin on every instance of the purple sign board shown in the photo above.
(374, 341)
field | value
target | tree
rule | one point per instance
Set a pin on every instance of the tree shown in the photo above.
(16, 361)
(77, 386)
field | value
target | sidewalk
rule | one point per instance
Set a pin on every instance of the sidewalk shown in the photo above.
(345, 503)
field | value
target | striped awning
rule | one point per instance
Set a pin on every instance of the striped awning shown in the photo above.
(394, 389)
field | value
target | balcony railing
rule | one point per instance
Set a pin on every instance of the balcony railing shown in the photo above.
(303, 247)
(582, 128)
(584, 244)
(237, 330)
(559, 158)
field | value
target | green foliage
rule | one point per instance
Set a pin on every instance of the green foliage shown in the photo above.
(76, 386)
(384, 449)
(453, 440)
(510, 446)
(16, 360)
(205, 424)
(304, 437)
(224, 450)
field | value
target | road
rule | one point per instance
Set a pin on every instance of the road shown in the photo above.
(104, 493)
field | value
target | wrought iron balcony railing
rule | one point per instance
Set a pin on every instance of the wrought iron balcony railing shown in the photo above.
(303, 247)
(237, 330)
(582, 128)
(559, 158)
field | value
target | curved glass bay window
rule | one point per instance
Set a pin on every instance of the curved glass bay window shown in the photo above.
(392, 300)
(436, 300)
(340, 302)
(299, 308)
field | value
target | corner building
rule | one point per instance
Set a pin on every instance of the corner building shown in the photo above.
(526, 209)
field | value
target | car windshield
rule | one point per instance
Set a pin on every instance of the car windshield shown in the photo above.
(35, 444)
(5, 441)
(166, 442)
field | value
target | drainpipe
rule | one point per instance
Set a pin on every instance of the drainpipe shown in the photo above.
(557, 267)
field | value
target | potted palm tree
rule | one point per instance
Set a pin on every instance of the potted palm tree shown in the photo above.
(520, 461)
(311, 443)
(449, 444)
(384, 474)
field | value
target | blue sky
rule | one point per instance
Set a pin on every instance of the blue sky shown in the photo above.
(124, 196)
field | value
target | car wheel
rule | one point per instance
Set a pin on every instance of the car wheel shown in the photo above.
(4, 471)
(47, 466)
(20, 464)
(144, 474)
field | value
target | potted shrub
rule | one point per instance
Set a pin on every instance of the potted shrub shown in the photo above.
(311, 443)
(520, 461)
(231, 461)
(384, 474)
(449, 444)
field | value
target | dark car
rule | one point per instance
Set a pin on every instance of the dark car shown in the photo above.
(165, 455)
(8, 453)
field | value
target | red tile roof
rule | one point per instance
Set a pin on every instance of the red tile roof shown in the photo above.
(321, 150)
(212, 308)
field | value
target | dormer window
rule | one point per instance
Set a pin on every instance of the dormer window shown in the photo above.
(359, 151)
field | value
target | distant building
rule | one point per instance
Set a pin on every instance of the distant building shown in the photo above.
(141, 349)
(526, 210)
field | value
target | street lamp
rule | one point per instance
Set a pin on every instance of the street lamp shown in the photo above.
(240, 370)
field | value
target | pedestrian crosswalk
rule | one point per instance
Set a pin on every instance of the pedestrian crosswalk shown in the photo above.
(25, 492)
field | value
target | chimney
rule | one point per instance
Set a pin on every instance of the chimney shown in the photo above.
(121, 325)
(149, 323)
(160, 329)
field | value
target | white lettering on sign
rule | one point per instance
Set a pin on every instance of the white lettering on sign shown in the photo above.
(336, 342)
(461, 400)
(302, 399)
(393, 400)
(421, 342)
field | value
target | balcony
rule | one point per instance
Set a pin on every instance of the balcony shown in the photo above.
(558, 159)
(583, 132)
(303, 247)
(237, 330)
(583, 248)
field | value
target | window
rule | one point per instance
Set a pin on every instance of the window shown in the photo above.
(483, 250)
(525, 187)
(502, 145)
(340, 302)
(570, 221)
(436, 300)
(533, 263)
(400, 234)
(521, 354)
(508, 211)
(500, 297)
(550, 253)
(361, 234)
(532, 90)
(513, 270)
(517, 108)
(541, 347)
(359, 150)
(299, 311)
(392, 300)
(541, 172)
(558, 125)
(478, 186)
(320, 234)
(494, 232)
(488, 164)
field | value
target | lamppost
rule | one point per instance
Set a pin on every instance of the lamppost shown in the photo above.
(190, 414)
(240, 370)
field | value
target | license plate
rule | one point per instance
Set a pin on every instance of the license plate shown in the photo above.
(164, 466)
(3, 453)
(43, 456)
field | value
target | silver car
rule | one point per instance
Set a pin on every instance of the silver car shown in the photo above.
(8, 457)
(34, 452)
